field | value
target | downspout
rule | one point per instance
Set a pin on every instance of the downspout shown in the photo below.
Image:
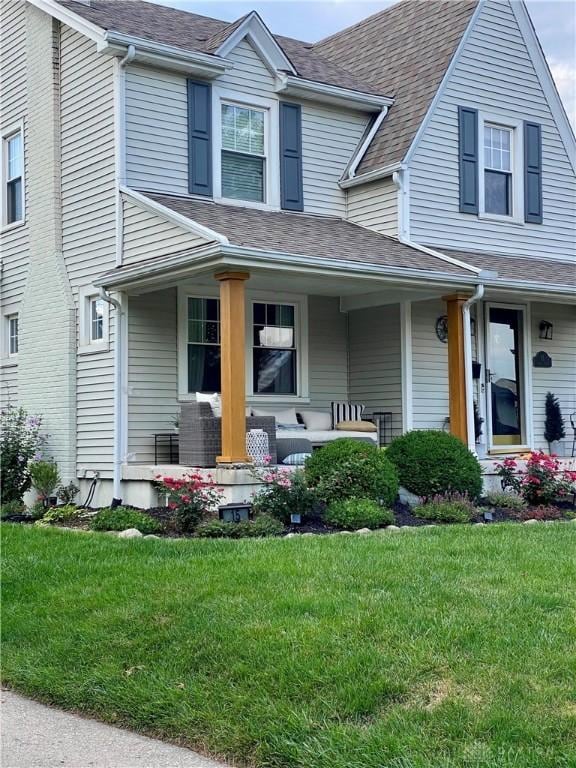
(118, 400)
(478, 294)
(120, 153)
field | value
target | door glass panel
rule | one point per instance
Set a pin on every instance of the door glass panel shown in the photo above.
(505, 353)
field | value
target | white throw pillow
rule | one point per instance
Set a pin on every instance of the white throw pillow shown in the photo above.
(296, 459)
(213, 399)
(317, 421)
(282, 416)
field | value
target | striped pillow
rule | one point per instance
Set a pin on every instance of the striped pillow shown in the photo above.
(346, 412)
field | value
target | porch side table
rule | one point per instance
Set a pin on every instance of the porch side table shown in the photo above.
(161, 439)
(383, 421)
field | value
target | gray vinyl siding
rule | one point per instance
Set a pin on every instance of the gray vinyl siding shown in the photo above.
(147, 235)
(429, 367)
(327, 352)
(561, 378)
(494, 74)
(157, 143)
(156, 130)
(375, 360)
(152, 371)
(88, 225)
(329, 138)
(14, 243)
(374, 205)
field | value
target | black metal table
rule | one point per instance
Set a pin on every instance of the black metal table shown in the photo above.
(163, 439)
(383, 421)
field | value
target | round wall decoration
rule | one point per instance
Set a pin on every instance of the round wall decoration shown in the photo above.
(442, 328)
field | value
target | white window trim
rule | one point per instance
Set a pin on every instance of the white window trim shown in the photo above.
(300, 303)
(7, 133)
(9, 358)
(86, 346)
(271, 147)
(516, 163)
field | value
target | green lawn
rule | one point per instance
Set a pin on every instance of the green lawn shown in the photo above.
(444, 647)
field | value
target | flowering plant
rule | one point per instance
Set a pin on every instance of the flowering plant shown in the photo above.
(542, 482)
(20, 443)
(190, 498)
(284, 493)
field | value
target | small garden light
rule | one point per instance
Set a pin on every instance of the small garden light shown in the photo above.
(488, 516)
(296, 518)
(546, 330)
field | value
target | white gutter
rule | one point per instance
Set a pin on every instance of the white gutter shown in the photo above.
(366, 143)
(119, 441)
(120, 143)
(306, 89)
(366, 178)
(469, 386)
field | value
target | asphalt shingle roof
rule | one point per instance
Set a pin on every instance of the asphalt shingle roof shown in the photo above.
(306, 235)
(203, 34)
(406, 50)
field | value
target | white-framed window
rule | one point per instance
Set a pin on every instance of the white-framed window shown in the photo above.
(274, 349)
(501, 181)
(245, 149)
(498, 170)
(243, 157)
(276, 345)
(13, 176)
(93, 321)
(12, 340)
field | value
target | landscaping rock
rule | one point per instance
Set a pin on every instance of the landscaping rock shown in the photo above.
(290, 535)
(477, 524)
(531, 521)
(392, 528)
(345, 533)
(573, 520)
(150, 535)
(363, 531)
(308, 533)
(130, 533)
(406, 497)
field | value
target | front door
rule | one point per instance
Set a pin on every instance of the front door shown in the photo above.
(504, 376)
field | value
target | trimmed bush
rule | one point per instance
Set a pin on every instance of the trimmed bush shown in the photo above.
(447, 508)
(505, 500)
(121, 518)
(284, 494)
(430, 462)
(61, 514)
(345, 469)
(353, 514)
(14, 507)
(261, 526)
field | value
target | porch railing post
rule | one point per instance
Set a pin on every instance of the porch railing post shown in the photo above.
(456, 366)
(232, 366)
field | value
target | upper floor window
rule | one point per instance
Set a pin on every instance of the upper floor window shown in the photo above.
(12, 330)
(13, 175)
(243, 153)
(498, 170)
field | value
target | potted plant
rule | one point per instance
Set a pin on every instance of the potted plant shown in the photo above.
(45, 478)
(554, 423)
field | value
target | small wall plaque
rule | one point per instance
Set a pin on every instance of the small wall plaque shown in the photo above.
(542, 360)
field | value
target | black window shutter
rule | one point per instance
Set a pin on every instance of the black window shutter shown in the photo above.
(532, 173)
(468, 158)
(199, 138)
(291, 189)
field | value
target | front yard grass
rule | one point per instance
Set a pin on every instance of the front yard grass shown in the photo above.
(450, 647)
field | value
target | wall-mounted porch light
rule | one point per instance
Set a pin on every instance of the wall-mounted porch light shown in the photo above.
(545, 330)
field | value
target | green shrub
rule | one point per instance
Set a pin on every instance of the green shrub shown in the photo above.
(190, 498)
(447, 508)
(346, 468)
(353, 514)
(60, 514)
(10, 508)
(37, 510)
(67, 493)
(259, 527)
(121, 518)
(505, 500)
(431, 462)
(284, 494)
(45, 477)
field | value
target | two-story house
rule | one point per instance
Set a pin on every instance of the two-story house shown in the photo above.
(386, 217)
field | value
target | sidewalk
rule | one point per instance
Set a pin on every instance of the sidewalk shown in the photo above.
(36, 736)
